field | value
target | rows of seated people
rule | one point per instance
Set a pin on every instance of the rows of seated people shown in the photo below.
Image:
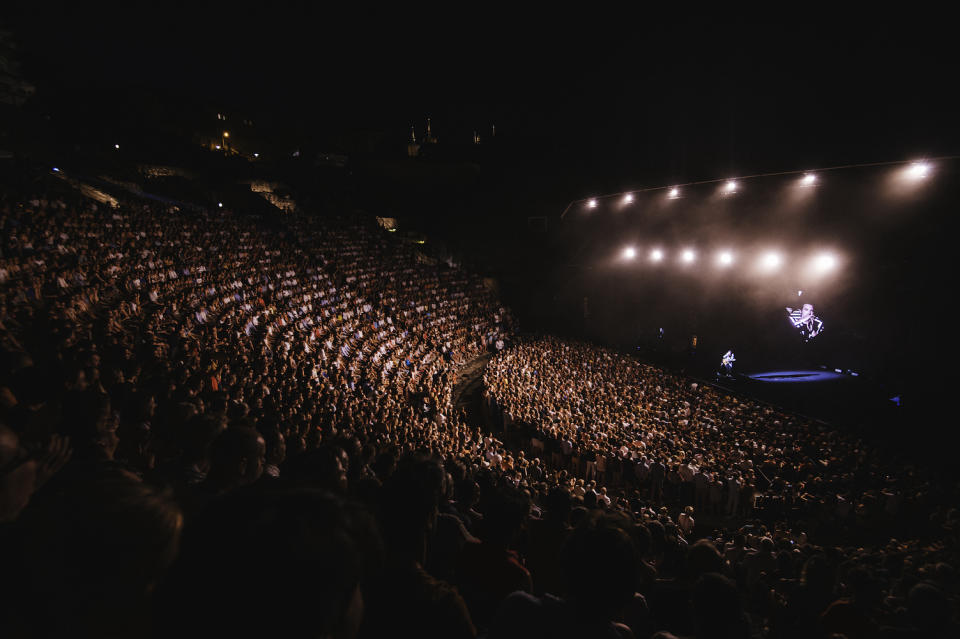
(609, 419)
(212, 427)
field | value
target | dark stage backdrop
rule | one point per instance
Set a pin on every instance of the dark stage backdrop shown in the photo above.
(885, 310)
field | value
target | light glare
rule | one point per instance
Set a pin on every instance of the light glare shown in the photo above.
(628, 198)
(771, 261)
(918, 170)
(688, 256)
(674, 193)
(731, 186)
(725, 258)
(656, 255)
(592, 204)
(809, 179)
(824, 262)
(629, 252)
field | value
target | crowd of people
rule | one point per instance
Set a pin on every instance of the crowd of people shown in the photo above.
(212, 424)
(620, 433)
(612, 421)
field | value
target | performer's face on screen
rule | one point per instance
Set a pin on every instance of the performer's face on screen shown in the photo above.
(806, 312)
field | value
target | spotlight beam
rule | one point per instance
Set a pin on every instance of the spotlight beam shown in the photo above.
(670, 189)
(725, 258)
(823, 263)
(918, 170)
(771, 261)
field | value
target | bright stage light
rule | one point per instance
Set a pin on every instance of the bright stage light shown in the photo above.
(629, 252)
(688, 256)
(918, 170)
(730, 186)
(771, 261)
(628, 198)
(116, 146)
(592, 204)
(824, 263)
(725, 258)
(674, 193)
(809, 179)
(220, 204)
(656, 255)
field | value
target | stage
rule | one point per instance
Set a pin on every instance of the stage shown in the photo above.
(830, 395)
(802, 376)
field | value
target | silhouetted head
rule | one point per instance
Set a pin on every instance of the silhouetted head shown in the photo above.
(600, 565)
(271, 561)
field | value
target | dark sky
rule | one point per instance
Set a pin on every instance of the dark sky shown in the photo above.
(670, 100)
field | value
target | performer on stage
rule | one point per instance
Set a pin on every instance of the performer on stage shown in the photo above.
(805, 321)
(727, 363)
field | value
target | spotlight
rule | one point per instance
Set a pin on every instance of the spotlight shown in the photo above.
(56, 170)
(918, 170)
(688, 256)
(725, 258)
(674, 193)
(730, 186)
(116, 146)
(592, 204)
(824, 263)
(656, 255)
(218, 147)
(256, 155)
(220, 204)
(629, 252)
(808, 179)
(771, 261)
(628, 198)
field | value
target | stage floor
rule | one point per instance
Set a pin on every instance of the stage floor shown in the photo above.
(820, 393)
(813, 375)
